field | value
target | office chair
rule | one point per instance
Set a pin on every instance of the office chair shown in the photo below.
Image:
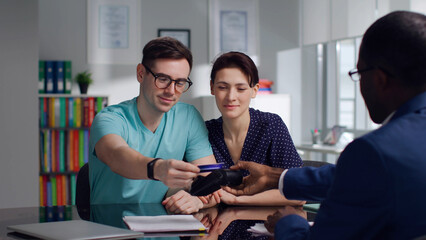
(311, 163)
(82, 193)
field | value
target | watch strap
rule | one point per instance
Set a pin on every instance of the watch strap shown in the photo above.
(150, 168)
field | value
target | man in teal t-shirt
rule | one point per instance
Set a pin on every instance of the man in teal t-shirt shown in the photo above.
(145, 139)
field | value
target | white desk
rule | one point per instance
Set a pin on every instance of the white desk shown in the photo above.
(308, 148)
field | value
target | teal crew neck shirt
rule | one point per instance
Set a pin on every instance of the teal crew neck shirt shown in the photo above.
(181, 135)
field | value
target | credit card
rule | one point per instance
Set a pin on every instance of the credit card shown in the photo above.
(210, 167)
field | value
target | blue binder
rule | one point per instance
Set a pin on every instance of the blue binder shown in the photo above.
(58, 77)
(49, 85)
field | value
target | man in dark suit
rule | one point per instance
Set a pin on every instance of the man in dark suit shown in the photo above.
(377, 190)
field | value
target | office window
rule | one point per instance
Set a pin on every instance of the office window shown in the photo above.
(351, 109)
(346, 61)
(330, 97)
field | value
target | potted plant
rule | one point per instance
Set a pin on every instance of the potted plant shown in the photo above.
(84, 79)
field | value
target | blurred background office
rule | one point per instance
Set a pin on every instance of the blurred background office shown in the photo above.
(305, 47)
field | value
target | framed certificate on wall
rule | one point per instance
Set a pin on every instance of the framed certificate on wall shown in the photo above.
(233, 27)
(113, 31)
(183, 35)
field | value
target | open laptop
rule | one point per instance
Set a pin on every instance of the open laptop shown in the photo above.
(73, 230)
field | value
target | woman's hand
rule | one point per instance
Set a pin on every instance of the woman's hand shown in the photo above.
(228, 198)
(211, 199)
(182, 203)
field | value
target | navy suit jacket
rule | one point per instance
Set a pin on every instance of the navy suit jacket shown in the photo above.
(379, 185)
(308, 183)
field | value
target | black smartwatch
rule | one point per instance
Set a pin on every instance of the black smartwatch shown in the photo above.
(150, 169)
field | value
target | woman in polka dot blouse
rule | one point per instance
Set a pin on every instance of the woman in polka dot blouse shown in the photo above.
(243, 133)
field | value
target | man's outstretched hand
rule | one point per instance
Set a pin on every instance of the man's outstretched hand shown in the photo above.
(175, 173)
(261, 178)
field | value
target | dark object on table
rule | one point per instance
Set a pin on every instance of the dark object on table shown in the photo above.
(203, 186)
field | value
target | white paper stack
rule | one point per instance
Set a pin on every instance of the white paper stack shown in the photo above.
(164, 223)
(259, 229)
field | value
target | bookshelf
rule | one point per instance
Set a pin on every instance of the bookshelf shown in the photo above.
(64, 129)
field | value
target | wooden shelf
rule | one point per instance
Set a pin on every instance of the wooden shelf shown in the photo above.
(44, 95)
(64, 128)
(58, 173)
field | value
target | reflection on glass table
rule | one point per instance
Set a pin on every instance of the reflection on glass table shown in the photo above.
(224, 222)
(233, 222)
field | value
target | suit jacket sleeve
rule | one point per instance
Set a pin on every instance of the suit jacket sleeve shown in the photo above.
(357, 204)
(308, 183)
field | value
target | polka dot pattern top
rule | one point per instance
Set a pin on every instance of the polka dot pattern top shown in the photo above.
(238, 230)
(267, 142)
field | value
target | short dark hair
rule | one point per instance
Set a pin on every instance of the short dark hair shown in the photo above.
(236, 60)
(165, 48)
(397, 43)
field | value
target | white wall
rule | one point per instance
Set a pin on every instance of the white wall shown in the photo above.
(62, 27)
(63, 35)
(289, 81)
(418, 6)
(18, 103)
(315, 21)
(279, 30)
(309, 99)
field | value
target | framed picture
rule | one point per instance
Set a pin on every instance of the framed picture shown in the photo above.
(183, 35)
(233, 27)
(113, 35)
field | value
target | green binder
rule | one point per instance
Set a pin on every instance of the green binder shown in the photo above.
(68, 77)
(41, 76)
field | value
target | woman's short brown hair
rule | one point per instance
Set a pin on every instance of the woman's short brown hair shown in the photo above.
(236, 60)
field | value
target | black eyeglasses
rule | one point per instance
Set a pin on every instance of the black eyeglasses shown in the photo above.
(355, 74)
(163, 81)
